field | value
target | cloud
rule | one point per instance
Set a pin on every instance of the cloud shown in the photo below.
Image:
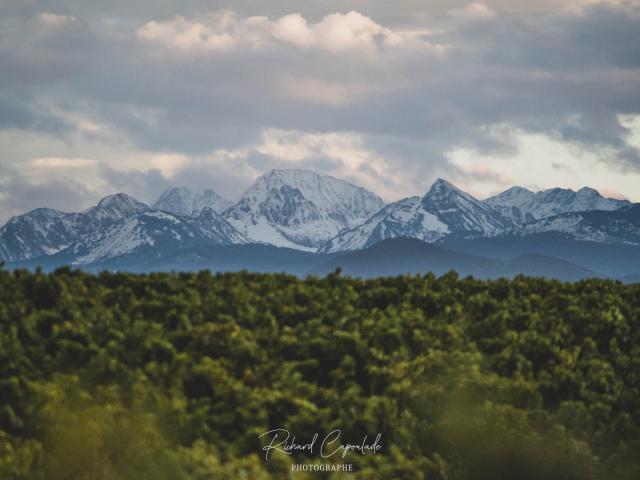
(473, 11)
(57, 162)
(538, 163)
(293, 29)
(346, 155)
(19, 195)
(353, 30)
(210, 33)
(55, 20)
(177, 93)
(23, 113)
(221, 31)
(145, 185)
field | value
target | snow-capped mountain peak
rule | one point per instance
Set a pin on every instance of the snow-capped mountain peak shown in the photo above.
(304, 210)
(178, 200)
(443, 210)
(442, 187)
(588, 191)
(185, 201)
(522, 205)
(604, 226)
(119, 205)
(516, 192)
(44, 212)
(300, 209)
(405, 218)
(119, 200)
(45, 231)
(461, 211)
(42, 231)
(152, 232)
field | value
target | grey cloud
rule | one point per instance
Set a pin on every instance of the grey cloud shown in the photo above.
(227, 181)
(19, 195)
(535, 72)
(380, 10)
(145, 186)
(18, 114)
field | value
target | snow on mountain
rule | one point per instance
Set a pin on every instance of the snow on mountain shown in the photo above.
(522, 205)
(306, 211)
(218, 229)
(111, 209)
(161, 231)
(442, 211)
(405, 218)
(461, 212)
(616, 226)
(300, 209)
(185, 201)
(44, 231)
(40, 232)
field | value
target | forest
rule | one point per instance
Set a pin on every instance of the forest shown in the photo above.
(176, 375)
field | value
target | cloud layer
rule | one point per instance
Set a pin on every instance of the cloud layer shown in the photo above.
(94, 98)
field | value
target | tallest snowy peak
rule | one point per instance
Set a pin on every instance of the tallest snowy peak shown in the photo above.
(297, 177)
(288, 176)
(300, 208)
(325, 191)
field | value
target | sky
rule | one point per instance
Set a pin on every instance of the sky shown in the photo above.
(136, 96)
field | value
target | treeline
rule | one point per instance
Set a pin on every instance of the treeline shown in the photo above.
(174, 376)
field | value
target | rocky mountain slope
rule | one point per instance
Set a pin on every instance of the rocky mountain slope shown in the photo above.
(185, 201)
(323, 219)
(522, 205)
(300, 209)
(442, 211)
(44, 231)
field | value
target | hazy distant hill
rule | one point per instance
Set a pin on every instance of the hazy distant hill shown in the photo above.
(535, 265)
(402, 255)
(612, 260)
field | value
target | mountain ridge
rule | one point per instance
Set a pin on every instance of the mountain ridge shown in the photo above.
(522, 205)
(443, 210)
(299, 207)
(323, 215)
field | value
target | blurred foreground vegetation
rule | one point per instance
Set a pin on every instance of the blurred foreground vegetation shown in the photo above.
(174, 376)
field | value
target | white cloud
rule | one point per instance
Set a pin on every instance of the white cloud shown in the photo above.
(141, 98)
(540, 162)
(168, 163)
(209, 33)
(353, 30)
(335, 93)
(217, 31)
(61, 162)
(473, 11)
(580, 8)
(294, 29)
(54, 19)
(632, 124)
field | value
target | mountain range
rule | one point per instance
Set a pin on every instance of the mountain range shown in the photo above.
(304, 223)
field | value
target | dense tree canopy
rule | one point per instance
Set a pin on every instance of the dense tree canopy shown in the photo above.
(121, 376)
